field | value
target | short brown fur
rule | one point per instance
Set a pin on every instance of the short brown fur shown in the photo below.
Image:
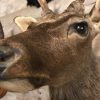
(52, 53)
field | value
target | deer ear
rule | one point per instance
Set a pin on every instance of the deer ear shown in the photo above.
(24, 22)
(76, 6)
(1, 32)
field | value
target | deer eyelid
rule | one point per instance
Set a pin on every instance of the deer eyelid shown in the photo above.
(80, 28)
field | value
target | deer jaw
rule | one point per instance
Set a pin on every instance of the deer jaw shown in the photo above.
(53, 51)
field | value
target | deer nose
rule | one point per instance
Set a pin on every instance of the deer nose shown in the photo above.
(2, 69)
(6, 53)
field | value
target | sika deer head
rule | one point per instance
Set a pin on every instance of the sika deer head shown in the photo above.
(53, 50)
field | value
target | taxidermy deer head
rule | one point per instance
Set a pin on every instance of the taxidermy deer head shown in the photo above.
(54, 50)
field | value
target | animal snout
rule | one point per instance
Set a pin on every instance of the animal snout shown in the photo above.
(6, 53)
(2, 69)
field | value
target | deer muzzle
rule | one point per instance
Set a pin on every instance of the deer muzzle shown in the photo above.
(7, 58)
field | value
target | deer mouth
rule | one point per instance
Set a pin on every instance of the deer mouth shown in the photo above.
(17, 85)
(8, 57)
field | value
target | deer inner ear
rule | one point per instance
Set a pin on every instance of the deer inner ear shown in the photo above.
(24, 22)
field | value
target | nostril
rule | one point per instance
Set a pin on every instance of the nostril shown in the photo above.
(2, 69)
(5, 53)
(3, 56)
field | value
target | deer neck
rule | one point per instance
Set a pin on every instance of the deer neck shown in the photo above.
(84, 87)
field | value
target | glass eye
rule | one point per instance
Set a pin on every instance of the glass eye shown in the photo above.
(81, 28)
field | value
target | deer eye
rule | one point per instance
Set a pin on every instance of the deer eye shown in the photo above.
(81, 28)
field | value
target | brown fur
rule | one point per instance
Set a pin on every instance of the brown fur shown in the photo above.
(52, 53)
